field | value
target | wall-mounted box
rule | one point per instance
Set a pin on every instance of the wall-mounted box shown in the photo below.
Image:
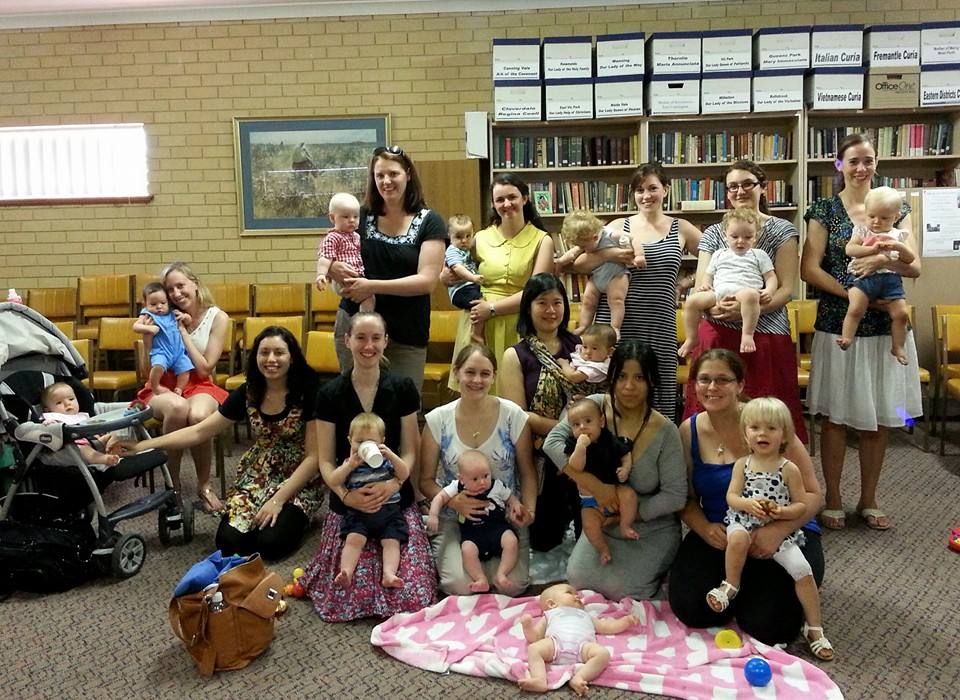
(517, 100)
(569, 98)
(673, 94)
(776, 48)
(725, 50)
(567, 57)
(892, 88)
(834, 45)
(940, 84)
(939, 42)
(725, 92)
(835, 88)
(778, 90)
(674, 52)
(618, 95)
(620, 54)
(892, 45)
(516, 59)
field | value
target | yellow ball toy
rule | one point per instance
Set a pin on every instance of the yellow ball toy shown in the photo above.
(727, 639)
(298, 572)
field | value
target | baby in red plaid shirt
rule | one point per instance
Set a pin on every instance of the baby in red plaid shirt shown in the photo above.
(342, 244)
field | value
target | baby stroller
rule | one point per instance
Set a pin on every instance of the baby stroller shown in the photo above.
(52, 490)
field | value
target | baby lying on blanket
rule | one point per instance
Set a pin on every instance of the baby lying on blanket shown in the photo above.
(567, 634)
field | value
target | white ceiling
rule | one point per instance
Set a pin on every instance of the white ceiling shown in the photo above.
(18, 14)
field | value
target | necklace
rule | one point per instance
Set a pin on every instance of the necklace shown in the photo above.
(720, 450)
(476, 435)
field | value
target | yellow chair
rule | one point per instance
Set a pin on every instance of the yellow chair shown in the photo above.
(252, 326)
(234, 299)
(323, 308)
(950, 385)
(950, 370)
(321, 354)
(115, 335)
(68, 328)
(57, 304)
(138, 281)
(86, 350)
(102, 296)
(281, 299)
(436, 371)
(929, 408)
(802, 315)
(683, 369)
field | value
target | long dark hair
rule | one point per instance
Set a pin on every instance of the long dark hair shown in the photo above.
(728, 357)
(645, 171)
(849, 142)
(757, 172)
(641, 352)
(535, 286)
(298, 377)
(530, 214)
(412, 196)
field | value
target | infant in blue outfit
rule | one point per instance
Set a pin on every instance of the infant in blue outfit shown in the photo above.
(161, 334)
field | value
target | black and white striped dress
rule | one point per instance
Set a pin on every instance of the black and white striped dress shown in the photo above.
(651, 311)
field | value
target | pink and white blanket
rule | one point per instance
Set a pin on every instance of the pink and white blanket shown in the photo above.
(481, 636)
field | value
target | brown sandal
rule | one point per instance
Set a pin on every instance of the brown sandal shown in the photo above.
(207, 499)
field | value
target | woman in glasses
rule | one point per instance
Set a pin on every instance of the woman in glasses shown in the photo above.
(509, 251)
(767, 606)
(863, 387)
(771, 370)
(402, 245)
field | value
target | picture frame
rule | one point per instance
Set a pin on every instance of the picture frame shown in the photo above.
(542, 201)
(287, 168)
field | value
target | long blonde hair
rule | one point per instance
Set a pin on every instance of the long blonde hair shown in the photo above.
(204, 295)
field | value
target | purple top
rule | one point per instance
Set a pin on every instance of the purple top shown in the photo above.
(530, 365)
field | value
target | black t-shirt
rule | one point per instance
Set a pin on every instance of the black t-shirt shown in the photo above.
(603, 456)
(337, 403)
(235, 405)
(392, 257)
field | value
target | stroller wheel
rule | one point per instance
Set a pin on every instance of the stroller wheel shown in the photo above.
(187, 513)
(128, 556)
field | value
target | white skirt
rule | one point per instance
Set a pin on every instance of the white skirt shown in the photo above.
(864, 386)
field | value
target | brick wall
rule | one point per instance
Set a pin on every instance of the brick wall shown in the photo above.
(187, 81)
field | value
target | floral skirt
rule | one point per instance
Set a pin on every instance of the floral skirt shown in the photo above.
(367, 597)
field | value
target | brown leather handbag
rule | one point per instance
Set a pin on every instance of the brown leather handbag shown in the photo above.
(229, 632)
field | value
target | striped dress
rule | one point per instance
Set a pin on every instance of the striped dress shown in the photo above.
(651, 311)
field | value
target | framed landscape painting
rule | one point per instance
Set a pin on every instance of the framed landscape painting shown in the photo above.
(289, 167)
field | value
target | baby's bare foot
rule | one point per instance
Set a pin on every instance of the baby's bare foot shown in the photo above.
(481, 586)
(533, 685)
(579, 686)
(900, 354)
(688, 345)
(747, 344)
(343, 579)
(844, 343)
(392, 581)
(506, 586)
(628, 532)
(605, 556)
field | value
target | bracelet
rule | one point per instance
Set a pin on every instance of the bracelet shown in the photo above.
(493, 309)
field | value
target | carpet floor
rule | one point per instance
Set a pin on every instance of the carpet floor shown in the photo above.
(890, 606)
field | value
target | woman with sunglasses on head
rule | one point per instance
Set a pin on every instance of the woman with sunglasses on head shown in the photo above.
(766, 606)
(402, 244)
(863, 387)
(772, 369)
(509, 251)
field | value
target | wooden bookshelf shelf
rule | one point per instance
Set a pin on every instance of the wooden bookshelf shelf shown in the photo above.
(566, 168)
(727, 164)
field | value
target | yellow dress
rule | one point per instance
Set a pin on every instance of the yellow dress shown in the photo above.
(506, 264)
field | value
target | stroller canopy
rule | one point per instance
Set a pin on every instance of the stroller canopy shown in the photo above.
(30, 341)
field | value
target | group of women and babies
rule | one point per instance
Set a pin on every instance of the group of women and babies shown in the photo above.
(551, 429)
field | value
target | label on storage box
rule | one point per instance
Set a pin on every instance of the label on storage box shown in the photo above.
(620, 54)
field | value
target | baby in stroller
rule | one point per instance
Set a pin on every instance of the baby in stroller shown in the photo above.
(60, 405)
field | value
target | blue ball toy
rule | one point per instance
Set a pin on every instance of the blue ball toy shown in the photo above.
(757, 672)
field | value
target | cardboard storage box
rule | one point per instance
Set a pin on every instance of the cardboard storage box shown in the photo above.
(725, 92)
(674, 94)
(835, 88)
(569, 98)
(673, 52)
(940, 85)
(892, 87)
(892, 45)
(618, 95)
(726, 50)
(516, 59)
(620, 54)
(836, 45)
(776, 48)
(778, 90)
(517, 100)
(567, 57)
(939, 42)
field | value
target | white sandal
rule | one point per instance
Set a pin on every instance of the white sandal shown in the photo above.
(722, 594)
(819, 645)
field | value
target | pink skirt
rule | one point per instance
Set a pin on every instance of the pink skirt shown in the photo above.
(771, 370)
(367, 597)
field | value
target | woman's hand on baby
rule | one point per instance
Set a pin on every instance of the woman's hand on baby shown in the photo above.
(433, 523)
(468, 507)
(479, 310)
(357, 288)
(341, 271)
(726, 309)
(716, 536)
(124, 448)
(764, 542)
(765, 297)
(447, 277)
(520, 515)
(370, 498)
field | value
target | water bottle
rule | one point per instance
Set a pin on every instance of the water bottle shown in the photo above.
(13, 296)
(216, 603)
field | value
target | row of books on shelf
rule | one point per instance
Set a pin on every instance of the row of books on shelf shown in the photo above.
(779, 192)
(904, 140)
(595, 195)
(564, 151)
(721, 147)
(826, 186)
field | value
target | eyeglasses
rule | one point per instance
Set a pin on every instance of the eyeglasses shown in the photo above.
(707, 380)
(392, 150)
(745, 186)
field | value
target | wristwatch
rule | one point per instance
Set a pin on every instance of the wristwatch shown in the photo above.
(493, 309)
(894, 255)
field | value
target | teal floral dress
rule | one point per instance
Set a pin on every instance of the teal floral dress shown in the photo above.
(279, 449)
